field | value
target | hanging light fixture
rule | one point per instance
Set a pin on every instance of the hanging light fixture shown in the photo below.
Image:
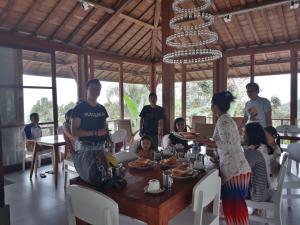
(183, 29)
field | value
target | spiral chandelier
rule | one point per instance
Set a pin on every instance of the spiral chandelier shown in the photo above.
(191, 52)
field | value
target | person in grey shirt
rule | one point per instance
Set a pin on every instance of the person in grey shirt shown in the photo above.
(257, 109)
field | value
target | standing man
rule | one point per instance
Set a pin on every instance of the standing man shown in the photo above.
(88, 121)
(257, 109)
(152, 117)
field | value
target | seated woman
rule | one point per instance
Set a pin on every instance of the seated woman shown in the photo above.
(70, 140)
(179, 126)
(256, 152)
(146, 148)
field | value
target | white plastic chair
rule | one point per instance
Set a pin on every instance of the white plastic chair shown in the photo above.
(68, 168)
(125, 156)
(91, 206)
(274, 205)
(134, 146)
(165, 141)
(207, 190)
(292, 181)
(120, 136)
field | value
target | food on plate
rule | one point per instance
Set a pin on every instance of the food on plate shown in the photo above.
(140, 162)
(181, 171)
(188, 135)
(169, 161)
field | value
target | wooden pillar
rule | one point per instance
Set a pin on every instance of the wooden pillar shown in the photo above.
(54, 91)
(183, 91)
(220, 70)
(82, 76)
(153, 78)
(294, 91)
(121, 91)
(168, 70)
(252, 68)
(91, 67)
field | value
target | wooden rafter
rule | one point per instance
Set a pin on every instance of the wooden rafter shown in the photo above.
(107, 19)
(140, 48)
(240, 31)
(227, 3)
(5, 12)
(136, 43)
(128, 30)
(155, 30)
(228, 33)
(267, 25)
(80, 25)
(282, 23)
(116, 27)
(57, 5)
(297, 14)
(27, 15)
(136, 21)
(253, 28)
(65, 21)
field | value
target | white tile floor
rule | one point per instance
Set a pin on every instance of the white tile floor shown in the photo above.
(37, 202)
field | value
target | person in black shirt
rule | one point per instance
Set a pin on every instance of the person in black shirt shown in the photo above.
(179, 126)
(89, 120)
(152, 117)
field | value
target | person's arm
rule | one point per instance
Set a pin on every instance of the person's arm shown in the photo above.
(268, 112)
(269, 118)
(67, 132)
(27, 132)
(78, 132)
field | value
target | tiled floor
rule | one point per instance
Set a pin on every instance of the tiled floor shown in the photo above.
(37, 202)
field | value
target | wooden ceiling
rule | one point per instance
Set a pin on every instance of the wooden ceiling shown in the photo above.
(131, 28)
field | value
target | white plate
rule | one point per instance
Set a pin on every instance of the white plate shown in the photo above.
(192, 175)
(162, 189)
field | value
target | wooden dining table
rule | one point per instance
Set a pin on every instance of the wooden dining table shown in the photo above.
(153, 209)
(53, 141)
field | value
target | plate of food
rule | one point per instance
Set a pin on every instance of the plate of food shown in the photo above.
(169, 162)
(187, 136)
(141, 164)
(183, 172)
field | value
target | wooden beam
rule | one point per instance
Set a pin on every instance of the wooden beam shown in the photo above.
(82, 76)
(14, 40)
(252, 67)
(267, 25)
(137, 43)
(64, 21)
(127, 31)
(283, 23)
(152, 79)
(241, 33)
(105, 22)
(168, 78)
(121, 91)
(297, 15)
(33, 7)
(91, 66)
(101, 7)
(7, 9)
(54, 92)
(228, 33)
(80, 25)
(248, 16)
(57, 5)
(136, 21)
(294, 88)
(183, 91)
(155, 30)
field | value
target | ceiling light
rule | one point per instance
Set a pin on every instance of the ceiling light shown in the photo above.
(294, 4)
(227, 18)
(86, 5)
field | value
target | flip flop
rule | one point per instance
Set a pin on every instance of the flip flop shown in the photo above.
(42, 175)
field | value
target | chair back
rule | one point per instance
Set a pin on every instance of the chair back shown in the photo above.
(205, 130)
(293, 150)
(120, 136)
(133, 147)
(277, 197)
(126, 125)
(91, 206)
(197, 119)
(165, 141)
(125, 156)
(207, 190)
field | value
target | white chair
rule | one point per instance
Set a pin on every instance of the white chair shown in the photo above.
(274, 205)
(68, 167)
(288, 128)
(134, 146)
(120, 136)
(165, 141)
(292, 181)
(125, 156)
(91, 206)
(207, 190)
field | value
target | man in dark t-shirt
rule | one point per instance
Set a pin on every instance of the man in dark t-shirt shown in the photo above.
(152, 117)
(89, 120)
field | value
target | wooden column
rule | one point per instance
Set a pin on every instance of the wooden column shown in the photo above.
(168, 70)
(54, 91)
(82, 76)
(220, 69)
(294, 91)
(91, 67)
(252, 68)
(121, 91)
(183, 91)
(153, 78)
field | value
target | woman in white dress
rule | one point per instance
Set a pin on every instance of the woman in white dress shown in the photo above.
(234, 168)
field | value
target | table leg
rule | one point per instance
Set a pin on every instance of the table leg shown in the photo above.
(154, 217)
(33, 159)
(55, 153)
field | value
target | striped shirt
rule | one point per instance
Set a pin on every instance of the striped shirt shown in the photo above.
(259, 187)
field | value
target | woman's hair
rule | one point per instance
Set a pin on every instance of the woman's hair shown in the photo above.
(256, 136)
(273, 132)
(145, 137)
(223, 100)
(178, 120)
